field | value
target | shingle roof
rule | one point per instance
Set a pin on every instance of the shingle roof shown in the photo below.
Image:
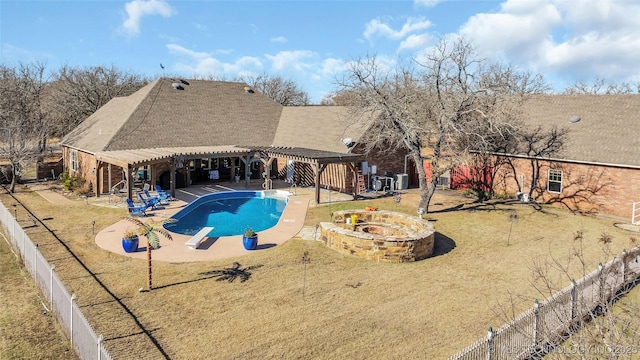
(215, 113)
(316, 127)
(202, 113)
(608, 131)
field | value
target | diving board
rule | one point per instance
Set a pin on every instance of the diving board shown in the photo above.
(196, 239)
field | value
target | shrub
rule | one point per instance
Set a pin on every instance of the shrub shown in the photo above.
(70, 183)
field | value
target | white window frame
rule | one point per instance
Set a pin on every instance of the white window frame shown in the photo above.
(554, 176)
(73, 162)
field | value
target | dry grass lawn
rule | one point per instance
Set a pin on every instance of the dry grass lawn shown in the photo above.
(271, 305)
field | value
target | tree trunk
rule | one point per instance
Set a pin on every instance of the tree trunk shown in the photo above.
(12, 186)
(149, 284)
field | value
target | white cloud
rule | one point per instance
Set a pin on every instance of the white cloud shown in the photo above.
(427, 3)
(136, 9)
(377, 27)
(204, 64)
(415, 42)
(331, 66)
(566, 40)
(291, 60)
(279, 39)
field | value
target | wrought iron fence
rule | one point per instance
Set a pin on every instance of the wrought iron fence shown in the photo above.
(543, 326)
(83, 338)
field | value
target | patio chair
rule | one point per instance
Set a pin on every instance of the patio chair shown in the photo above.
(136, 209)
(149, 202)
(161, 192)
(165, 196)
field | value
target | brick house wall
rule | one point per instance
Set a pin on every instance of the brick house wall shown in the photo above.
(85, 169)
(588, 188)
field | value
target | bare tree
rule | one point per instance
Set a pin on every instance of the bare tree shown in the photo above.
(449, 104)
(22, 120)
(76, 93)
(285, 92)
(601, 86)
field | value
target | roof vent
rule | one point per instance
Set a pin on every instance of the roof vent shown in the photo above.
(348, 142)
(177, 86)
(574, 119)
(184, 82)
(248, 89)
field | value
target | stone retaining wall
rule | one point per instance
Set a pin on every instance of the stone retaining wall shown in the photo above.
(404, 238)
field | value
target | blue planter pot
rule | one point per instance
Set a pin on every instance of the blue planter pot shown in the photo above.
(250, 243)
(130, 245)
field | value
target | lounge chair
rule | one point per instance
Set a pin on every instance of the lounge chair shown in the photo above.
(164, 194)
(136, 209)
(149, 202)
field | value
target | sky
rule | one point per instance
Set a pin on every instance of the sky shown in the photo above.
(313, 42)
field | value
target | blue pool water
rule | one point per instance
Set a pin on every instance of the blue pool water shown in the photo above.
(230, 213)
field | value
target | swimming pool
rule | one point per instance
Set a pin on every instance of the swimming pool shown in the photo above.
(230, 212)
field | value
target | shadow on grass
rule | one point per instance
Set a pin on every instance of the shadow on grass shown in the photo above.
(443, 245)
(232, 273)
(229, 274)
(489, 205)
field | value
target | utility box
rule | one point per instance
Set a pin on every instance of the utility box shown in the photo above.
(402, 181)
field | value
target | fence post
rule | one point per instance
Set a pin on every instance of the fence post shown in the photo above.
(35, 261)
(73, 300)
(536, 322)
(601, 284)
(100, 343)
(53, 267)
(574, 299)
(623, 258)
(490, 344)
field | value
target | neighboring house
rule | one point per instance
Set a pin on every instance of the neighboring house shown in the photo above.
(173, 132)
(598, 171)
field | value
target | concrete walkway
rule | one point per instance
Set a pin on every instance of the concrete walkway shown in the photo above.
(290, 225)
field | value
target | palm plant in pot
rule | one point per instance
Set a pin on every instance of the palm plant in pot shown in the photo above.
(250, 239)
(151, 230)
(130, 241)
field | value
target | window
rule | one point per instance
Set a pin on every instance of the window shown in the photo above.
(554, 184)
(74, 160)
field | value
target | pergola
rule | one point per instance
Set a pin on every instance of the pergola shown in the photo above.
(132, 159)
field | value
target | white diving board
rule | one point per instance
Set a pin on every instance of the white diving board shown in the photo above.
(196, 239)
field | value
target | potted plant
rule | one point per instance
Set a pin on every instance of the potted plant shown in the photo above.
(250, 239)
(130, 241)
(151, 231)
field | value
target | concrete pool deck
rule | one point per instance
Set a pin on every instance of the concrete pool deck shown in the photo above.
(290, 224)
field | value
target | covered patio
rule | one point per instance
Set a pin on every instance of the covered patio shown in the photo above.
(160, 159)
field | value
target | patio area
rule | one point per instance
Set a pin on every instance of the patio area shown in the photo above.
(290, 224)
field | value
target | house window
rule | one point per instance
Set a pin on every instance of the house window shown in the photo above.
(554, 184)
(74, 160)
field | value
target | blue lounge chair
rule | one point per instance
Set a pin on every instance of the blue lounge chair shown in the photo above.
(152, 197)
(149, 202)
(164, 195)
(136, 209)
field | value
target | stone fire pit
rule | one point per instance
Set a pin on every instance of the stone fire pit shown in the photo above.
(383, 236)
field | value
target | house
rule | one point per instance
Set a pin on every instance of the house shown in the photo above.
(598, 170)
(173, 132)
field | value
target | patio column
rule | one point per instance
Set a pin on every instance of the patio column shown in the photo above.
(172, 177)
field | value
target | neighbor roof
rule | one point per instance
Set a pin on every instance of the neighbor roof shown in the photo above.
(607, 132)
